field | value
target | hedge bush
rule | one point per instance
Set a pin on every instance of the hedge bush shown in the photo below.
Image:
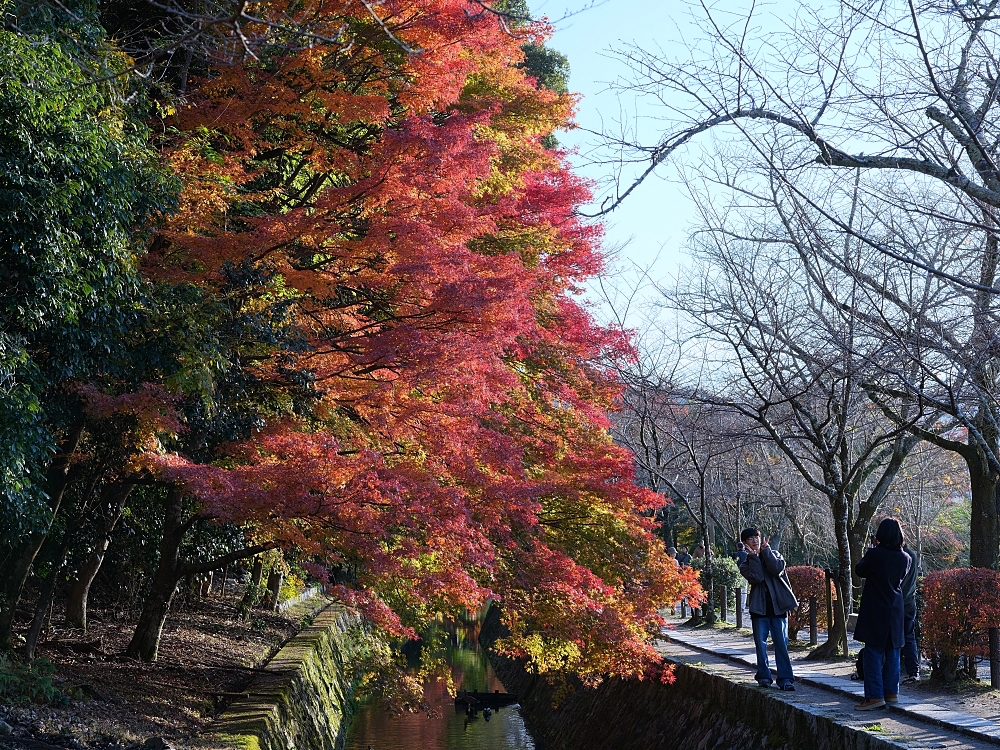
(807, 581)
(725, 572)
(960, 606)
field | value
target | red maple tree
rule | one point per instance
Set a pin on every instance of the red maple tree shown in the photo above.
(424, 244)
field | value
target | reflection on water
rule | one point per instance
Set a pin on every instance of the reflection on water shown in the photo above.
(449, 728)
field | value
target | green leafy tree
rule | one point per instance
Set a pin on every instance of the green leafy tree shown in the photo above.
(78, 184)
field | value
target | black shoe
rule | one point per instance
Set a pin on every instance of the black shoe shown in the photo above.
(763, 683)
(789, 688)
(910, 679)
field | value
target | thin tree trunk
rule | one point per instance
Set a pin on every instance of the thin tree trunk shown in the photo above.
(42, 606)
(252, 593)
(24, 557)
(79, 590)
(709, 607)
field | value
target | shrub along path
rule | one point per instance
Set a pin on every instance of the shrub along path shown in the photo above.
(969, 708)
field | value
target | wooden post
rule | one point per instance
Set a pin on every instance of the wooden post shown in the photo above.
(725, 604)
(683, 608)
(739, 607)
(225, 579)
(994, 657)
(813, 614)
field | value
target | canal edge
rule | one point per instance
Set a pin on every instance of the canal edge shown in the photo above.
(301, 698)
(902, 709)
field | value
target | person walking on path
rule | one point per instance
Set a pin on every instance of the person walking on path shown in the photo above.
(881, 615)
(910, 656)
(699, 551)
(771, 599)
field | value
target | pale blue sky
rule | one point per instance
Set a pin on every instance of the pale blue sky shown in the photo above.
(653, 224)
(650, 229)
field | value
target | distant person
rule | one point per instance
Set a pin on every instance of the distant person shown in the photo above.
(910, 655)
(683, 558)
(672, 554)
(741, 553)
(881, 615)
(699, 551)
(771, 599)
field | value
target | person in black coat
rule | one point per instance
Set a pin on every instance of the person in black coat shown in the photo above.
(880, 618)
(910, 656)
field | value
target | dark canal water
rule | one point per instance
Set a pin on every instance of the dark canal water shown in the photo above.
(446, 728)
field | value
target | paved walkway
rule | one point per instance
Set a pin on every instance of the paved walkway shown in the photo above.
(920, 705)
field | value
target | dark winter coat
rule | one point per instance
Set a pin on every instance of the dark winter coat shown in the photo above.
(909, 586)
(767, 570)
(880, 618)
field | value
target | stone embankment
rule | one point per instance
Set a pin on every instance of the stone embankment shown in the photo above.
(699, 710)
(302, 698)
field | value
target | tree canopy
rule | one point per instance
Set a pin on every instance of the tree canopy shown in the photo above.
(355, 336)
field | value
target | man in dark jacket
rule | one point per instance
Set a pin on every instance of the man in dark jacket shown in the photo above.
(910, 657)
(770, 601)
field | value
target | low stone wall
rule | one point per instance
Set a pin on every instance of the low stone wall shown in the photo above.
(699, 711)
(302, 697)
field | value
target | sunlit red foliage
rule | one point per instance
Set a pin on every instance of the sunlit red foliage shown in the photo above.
(426, 243)
(960, 605)
(807, 582)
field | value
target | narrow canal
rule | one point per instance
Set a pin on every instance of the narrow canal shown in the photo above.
(446, 726)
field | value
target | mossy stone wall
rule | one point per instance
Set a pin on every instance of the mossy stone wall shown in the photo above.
(302, 699)
(700, 711)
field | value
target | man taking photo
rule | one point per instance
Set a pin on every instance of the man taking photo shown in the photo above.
(771, 599)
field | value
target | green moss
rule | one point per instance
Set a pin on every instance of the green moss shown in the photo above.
(241, 741)
(777, 740)
(310, 701)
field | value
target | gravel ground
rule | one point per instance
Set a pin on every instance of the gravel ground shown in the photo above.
(206, 655)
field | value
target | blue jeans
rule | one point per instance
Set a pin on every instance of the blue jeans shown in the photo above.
(881, 671)
(778, 628)
(911, 659)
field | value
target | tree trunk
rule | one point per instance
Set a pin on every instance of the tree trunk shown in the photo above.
(984, 535)
(42, 606)
(145, 641)
(79, 590)
(858, 541)
(842, 531)
(274, 580)
(24, 557)
(837, 635)
(253, 588)
(710, 617)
